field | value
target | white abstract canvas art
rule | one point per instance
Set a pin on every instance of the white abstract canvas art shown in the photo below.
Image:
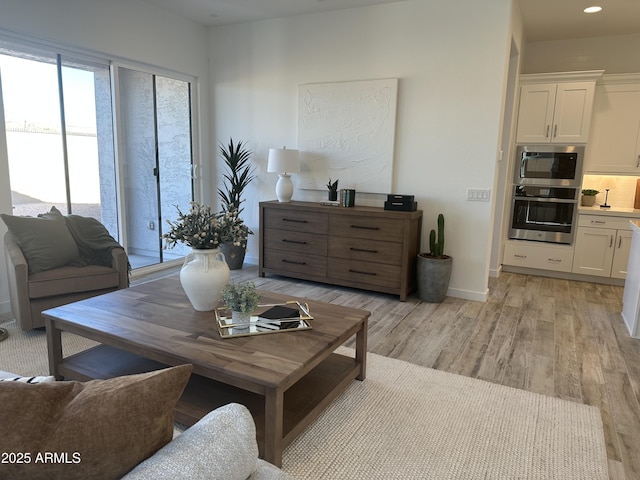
(346, 131)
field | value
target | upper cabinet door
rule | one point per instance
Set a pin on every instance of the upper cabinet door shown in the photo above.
(555, 112)
(614, 146)
(572, 115)
(535, 114)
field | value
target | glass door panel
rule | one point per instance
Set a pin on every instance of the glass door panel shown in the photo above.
(32, 122)
(174, 153)
(155, 119)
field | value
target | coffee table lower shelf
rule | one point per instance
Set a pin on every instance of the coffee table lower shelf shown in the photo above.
(303, 402)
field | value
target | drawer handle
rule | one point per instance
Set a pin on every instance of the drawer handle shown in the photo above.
(363, 250)
(600, 222)
(556, 260)
(294, 220)
(361, 272)
(610, 241)
(298, 242)
(363, 227)
(619, 242)
(284, 260)
(519, 256)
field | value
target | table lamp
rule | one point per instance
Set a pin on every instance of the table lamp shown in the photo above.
(283, 161)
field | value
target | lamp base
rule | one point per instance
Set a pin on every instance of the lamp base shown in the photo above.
(284, 188)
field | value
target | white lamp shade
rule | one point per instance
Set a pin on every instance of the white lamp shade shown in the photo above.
(283, 160)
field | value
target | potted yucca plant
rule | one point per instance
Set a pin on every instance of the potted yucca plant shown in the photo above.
(239, 174)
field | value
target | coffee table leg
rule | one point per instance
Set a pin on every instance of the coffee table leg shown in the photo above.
(54, 347)
(361, 349)
(273, 419)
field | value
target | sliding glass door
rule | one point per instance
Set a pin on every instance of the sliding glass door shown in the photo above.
(155, 142)
(60, 124)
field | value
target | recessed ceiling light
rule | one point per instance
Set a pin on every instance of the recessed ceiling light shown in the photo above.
(594, 9)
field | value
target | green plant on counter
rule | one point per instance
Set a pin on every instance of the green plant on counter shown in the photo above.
(436, 245)
(590, 192)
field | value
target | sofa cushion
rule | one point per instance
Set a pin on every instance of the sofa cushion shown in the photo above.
(100, 429)
(45, 242)
(68, 279)
(221, 445)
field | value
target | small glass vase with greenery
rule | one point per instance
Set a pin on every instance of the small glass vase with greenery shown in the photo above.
(242, 299)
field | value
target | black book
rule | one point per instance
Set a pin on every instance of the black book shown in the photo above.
(280, 317)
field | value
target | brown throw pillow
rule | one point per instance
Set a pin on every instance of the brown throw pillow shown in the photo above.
(94, 430)
(45, 242)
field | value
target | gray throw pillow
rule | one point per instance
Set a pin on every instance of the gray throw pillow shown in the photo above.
(45, 242)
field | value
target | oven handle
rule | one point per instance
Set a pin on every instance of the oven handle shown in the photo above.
(543, 199)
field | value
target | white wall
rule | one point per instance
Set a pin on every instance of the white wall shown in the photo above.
(614, 54)
(128, 29)
(450, 59)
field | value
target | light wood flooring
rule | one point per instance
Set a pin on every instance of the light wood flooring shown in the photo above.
(555, 337)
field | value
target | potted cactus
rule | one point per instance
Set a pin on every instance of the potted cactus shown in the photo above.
(434, 268)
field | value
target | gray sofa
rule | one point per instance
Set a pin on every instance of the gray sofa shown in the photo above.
(222, 445)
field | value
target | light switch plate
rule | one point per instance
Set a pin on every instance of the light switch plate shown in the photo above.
(478, 194)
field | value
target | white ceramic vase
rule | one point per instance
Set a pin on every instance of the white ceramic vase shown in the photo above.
(203, 276)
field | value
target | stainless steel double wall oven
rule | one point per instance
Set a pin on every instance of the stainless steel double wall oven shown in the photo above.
(546, 189)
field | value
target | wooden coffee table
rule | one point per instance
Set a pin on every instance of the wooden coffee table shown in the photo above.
(285, 379)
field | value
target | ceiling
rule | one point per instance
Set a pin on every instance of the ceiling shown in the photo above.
(543, 19)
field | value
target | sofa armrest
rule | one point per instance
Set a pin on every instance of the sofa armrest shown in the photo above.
(120, 262)
(18, 277)
(221, 445)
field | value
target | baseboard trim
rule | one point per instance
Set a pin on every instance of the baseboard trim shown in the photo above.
(618, 282)
(468, 294)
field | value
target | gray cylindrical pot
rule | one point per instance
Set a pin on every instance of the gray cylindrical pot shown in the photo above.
(233, 254)
(433, 276)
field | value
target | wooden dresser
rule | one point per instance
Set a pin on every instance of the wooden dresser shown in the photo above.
(360, 247)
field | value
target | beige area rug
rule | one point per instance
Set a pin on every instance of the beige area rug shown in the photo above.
(410, 422)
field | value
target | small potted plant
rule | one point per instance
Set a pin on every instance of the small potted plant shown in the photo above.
(333, 190)
(242, 299)
(589, 197)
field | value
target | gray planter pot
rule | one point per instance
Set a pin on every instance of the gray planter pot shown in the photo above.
(433, 276)
(233, 255)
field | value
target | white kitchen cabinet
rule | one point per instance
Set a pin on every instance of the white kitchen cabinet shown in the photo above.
(614, 144)
(602, 246)
(544, 256)
(555, 112)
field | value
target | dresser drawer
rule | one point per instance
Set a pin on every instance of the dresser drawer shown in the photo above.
(365, 272)
(388, 229)
(300, 242)
(294, 220)
(376, 251)
(295, 262)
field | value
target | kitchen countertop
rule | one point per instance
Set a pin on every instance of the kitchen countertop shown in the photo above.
(611, 212)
